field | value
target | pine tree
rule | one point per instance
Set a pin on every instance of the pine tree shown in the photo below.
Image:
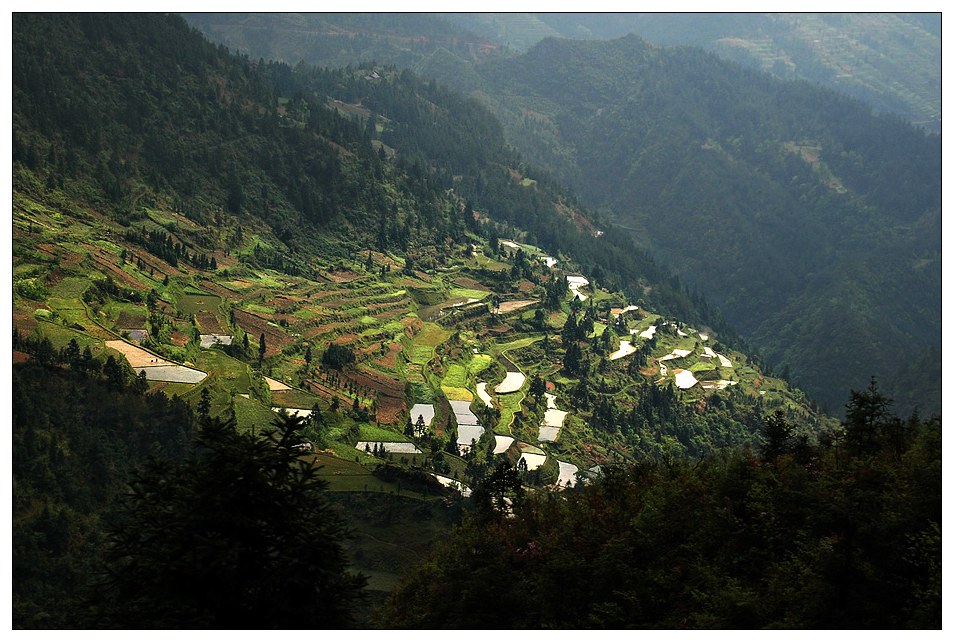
(182, 556)
(866, 416)
(420, 427)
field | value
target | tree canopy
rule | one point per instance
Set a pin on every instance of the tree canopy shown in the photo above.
(240, 536)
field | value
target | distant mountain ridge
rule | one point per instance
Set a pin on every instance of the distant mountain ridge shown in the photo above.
(891, 60)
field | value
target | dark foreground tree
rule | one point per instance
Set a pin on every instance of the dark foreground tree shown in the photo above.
(239, 537)
(730, 541)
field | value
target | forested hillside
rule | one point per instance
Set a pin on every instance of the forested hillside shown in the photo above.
(278, 329)
(803, 539)
(812, 224)
(808, 222)
(889, 60)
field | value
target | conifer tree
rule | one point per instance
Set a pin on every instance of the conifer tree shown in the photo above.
(182, 554)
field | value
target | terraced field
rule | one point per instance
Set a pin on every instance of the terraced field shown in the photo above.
(427, 341)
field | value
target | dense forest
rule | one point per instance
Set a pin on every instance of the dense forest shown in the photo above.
(840, 536)
(125, 513)
(80, 427)
(808, 221)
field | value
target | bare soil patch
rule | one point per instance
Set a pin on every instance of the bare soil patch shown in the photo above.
(390, 386)
(119, 275)
(345, 276)
(136, 356)
(510, 306)
(275, 384)
(131, 320)
(390, 409)
(66, 259)
(214, 288)
(389, 360)
(25, 323)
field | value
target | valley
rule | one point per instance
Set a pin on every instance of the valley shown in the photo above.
(314, 347)
(479, 383)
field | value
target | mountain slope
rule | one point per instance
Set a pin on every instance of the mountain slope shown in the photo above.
(361, 218)
(340, 39)
(798, 212)
(359, 247)
(891, 61)
(807, 221)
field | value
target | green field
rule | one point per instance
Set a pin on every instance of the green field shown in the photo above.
(224, 369)
(194, 303)
(252, 415)
(368, 432)
(509, 405)
(479, 363)
(456, 376)
(293, 398)
(466, 293)
(457, 393)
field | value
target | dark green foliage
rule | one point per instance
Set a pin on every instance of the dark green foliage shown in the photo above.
(192, 126)
(729, 541)
(76, 438)
(240, 536)
(811, 223)
(496, 495)
(779, 436)
(337, 357)
(867, 420)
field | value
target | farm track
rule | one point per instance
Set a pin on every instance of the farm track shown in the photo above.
(318, 388)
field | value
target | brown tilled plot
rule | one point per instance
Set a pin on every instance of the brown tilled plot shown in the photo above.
(255, 326)
(24, 323)
(389, 359)
(390, 409)
(378, 381)
(119, 275)
(208, 323)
